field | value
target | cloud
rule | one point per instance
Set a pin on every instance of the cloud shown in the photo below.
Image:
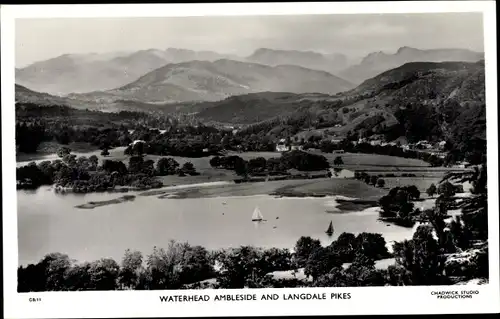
(373, 30)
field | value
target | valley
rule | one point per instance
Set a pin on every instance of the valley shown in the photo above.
(167, 145)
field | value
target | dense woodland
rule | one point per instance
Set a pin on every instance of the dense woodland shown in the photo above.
(301, 161)
(82, 174)
(464, 132)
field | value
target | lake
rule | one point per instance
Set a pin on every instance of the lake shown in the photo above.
(49, 222)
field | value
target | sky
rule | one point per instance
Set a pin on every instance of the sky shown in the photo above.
(352, 34)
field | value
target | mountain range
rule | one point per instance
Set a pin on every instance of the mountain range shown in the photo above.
(332, 63)
(423, 91)
(378, 62)
(83, 73)
(80, 73)
(418, 100)
(213, 81)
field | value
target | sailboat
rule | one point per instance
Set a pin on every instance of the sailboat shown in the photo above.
(257, 215)
(329, 231)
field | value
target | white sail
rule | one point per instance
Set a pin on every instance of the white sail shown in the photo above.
(257, 215)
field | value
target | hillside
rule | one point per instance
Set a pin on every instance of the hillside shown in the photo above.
(378, 62)
(430, 101)
(23, 95)
(79, 73)
(213, 81)
(255, 107)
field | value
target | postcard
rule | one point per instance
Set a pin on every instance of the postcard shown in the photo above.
(265, 159)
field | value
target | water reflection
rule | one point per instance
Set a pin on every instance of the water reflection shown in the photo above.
(49, 222)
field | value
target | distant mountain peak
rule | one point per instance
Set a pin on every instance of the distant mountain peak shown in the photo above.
(377, 62)
(261, 51)
(406, 49)
(201, 80)
(178, 50)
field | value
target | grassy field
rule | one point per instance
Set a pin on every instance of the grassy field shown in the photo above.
(50, 148)
(374, 160)
(422, 183)
(372, 164)
(317, 187)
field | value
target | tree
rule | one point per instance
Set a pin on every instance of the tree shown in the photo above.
(338, 161)
(138, 148)
(413, 192)
(135, 164)
(398, 276)
(380, 182)
(362, 273)
(421, 257)
(69, 159)
(131, 269)
(241, 168)
(55, 266)
(188, 168)
(460, 234)
(303, 249)
(238, 266)
(148, 167)
(345, 246)
(163, 267)
(371, 245)
(446, 189)
(321, 261)
(367, 179)
(105, 152)
(93, 162)
(31, 278)
(111, 166)
(103, 274)
(373, 180)
(61, 152)
(166, 166)
(215, 161)
(474, 208)
(431, 190)
(256, 165)
(78, 277)
(274, 259)
(195, 265)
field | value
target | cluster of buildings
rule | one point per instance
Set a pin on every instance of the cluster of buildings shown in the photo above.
(436, 149)
(283, 146)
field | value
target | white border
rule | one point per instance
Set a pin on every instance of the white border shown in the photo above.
(379, 300)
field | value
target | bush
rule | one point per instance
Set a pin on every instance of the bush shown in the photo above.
(381, 182)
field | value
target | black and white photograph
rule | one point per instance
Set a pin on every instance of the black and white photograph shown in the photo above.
(224, 152)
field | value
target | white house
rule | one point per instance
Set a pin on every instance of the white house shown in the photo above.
(375, 142)
(296, 147)
(424, 144)
(282, 146)
(461, 164)
(441, 145)
(137, 141)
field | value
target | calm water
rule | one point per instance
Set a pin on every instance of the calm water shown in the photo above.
(49, 222)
